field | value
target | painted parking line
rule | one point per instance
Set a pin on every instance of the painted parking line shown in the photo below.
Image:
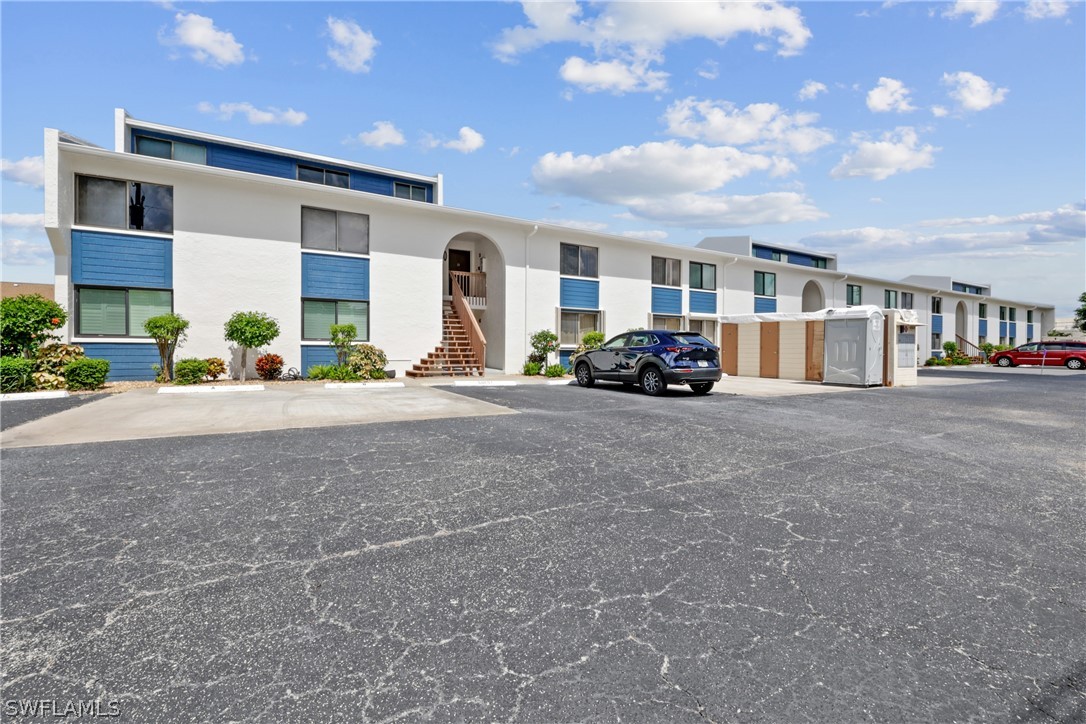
(204, 389)
(363, 385)
(485, 383)
(45, 395)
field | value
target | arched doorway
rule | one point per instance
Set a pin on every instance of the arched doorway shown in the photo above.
(961, 321)
(475, 263)
(813, 297)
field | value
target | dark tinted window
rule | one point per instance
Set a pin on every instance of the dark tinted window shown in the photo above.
(692, 339)
(619, 341)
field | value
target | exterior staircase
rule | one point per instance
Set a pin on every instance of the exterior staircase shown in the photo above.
(454, 356)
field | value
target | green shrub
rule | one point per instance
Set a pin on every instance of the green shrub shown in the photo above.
(250, 330)
(15, 374)
(951, 348)
(26, 322)
(216, 368)
(189, 371)
(86, 373)
(936, 362)
(555, 371)
(343, 336)
(543, 343)
(334, 373)
(367, 361)
(53, 358)
(269, 366)
(592, 340)
(168, 331)
(532, 369)
(961, 360)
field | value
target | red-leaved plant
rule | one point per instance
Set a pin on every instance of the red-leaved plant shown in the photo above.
(268, 366)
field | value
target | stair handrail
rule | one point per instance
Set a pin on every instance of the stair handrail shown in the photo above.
(970, 349)
(473, 284)
(475, 333)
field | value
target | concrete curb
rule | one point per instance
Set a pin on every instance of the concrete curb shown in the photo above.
(198, 389)
(45, 395)
(363, 385)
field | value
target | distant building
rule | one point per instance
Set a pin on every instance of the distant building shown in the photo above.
(171, 219)
(14, 289)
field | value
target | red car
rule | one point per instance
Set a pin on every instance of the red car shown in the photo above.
(1050, 354)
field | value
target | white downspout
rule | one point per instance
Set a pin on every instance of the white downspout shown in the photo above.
(835, 281)
(527, 268)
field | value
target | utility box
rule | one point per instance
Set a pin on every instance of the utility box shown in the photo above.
(854, 347)
(902, 333)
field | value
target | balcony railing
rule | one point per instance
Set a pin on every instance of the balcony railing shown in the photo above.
(472, 285)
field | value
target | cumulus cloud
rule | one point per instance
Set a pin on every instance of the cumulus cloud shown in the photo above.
(384, 133)
(1063, 223)
(255, 116)
(613, 76)
(670, 182)
(981, 10)
(889, 95)
(1044, 9)
(23, 221)
(352, 47)
(468, 141)
(810, 90)
(895, 152)
(971, 92)
(709, 70)
(764, 126)
(29, 170)
(939, 111)
(629, 37)
(206, 43)
(18, 252)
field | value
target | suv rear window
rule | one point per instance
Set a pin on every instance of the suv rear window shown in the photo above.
(692, 338)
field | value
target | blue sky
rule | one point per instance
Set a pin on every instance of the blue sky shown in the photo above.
(907, 137)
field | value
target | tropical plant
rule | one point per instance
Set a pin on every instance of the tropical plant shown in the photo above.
(16, 374)
(190, 371)
(216, 367)
(593, 340)
(343, 336)
(335, 373)
(531, 369)
(86, 373)
(250, 330)
(168, 331)
(543, 343)
(53, 358)
(367, 361)
(555, 371)
(951, 348)
(26, 322)
(269, 366)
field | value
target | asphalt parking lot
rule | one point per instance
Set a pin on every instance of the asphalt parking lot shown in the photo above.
(887, 555)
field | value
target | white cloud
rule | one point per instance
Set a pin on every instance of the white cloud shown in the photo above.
(207, 44)
(29, 170)
(971, 92)
(353, 47)
(939, 111)
(1044, 9)
(810, 90)
(469, 141)
(23, 221)
(384, 133)
(764, 125)
(709, 70)
(889, 95)
(981, 10)
(18, 252)
(895, 152)
(704, 210)
(1065, 222)
(648, 235)
(255, 116)
(614, 76)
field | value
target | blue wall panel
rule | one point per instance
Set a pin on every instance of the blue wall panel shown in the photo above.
(120, 260)
(563, 357)
(1029, 331)
(252, 161)
(937, 323)
(763, 305)
(1002, 329)
(335, 277)
(762, 252)
(1014, 331)
(126, 361)
(667, 301)
(982, 328)
(317, 355)
(702, 302)
(580, 294)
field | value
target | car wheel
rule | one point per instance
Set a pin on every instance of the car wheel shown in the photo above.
(652, 380)
(1004, 362)
(1074, 364)
(584, 375)
(701, 388)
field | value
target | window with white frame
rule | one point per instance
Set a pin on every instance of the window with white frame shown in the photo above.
(666, 272)
(318, 316)
(325, 176)
(765, 284)
(579, 261)
(705, 327)
(575, 324)
(853, 295)
(1029, 316)
(1002, 314)
(113, 312)
(663, 321)
(702, 276)
(936, 305)
(409, 191)
(121, 204)
(982, 310)
(890, 299)
(1013, 313)
(335, 230)
(906, 300)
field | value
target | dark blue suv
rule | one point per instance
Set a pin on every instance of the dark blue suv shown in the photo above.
(653, 359)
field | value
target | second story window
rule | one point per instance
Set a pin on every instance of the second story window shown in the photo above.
(982, 310)
(328, 177)
(1002, 314)
(890, 299)
(666, 272)
(579, 261)
(702, 276)
(409, 191)
(1014, 313)
(335, 231)
(1029, 316)
(906, 300)
(765, 284)
(176, 150)
(936, 305)
(118, 204)
(854, 295)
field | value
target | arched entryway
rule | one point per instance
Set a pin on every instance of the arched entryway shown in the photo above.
(813, 297)
(961, 321)
(475, 263)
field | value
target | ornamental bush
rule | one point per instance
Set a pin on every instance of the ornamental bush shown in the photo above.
(190, 371)
(250, 330)
(555, 371)
(53, 358)
(269, 366)
(367, 361)
(335, 373)
(26, 322)
(15, 374)
(168, 331)
(216, 367)
(543, 343)
(86, 373)
(343, 336)
(531, 369)
(592, 340)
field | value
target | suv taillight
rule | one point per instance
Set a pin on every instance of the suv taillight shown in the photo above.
(678, 350)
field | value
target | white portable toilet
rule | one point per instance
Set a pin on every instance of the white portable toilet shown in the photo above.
(853, 346)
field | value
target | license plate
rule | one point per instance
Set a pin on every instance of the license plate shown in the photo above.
(702, 363)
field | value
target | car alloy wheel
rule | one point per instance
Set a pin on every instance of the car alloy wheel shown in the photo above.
(652, 381)
(1074, 364)
(584, 375)
(1004, 362)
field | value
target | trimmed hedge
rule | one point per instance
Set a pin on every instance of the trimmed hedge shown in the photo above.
(189, 371)
(86, 373)
(15, 374)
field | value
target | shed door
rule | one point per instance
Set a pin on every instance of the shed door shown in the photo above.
(816, 338)
(729, 349)
(771, 349)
